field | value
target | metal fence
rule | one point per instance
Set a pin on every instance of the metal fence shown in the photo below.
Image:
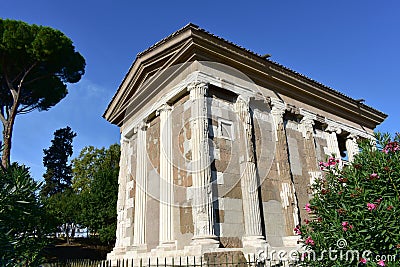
(178, 262)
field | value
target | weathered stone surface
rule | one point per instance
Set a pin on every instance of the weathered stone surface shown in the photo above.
(264, 130)
(231, 242)
(153, 143)
(301, 166)
(153, 225)
(186, 220)
(228, 259)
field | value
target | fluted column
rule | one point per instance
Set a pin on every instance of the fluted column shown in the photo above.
(166, 179)
(201, 171)
(249, 184)
(352, 147)
(287, 193)
(122, 180)
(139, 232)
(277, 111)
(332, 141)
(307, 124)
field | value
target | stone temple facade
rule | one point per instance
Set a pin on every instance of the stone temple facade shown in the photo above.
(220, 146)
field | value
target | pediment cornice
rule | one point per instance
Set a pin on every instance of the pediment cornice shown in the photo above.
(192, 43)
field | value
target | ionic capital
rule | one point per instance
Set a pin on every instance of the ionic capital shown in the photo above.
(307, 122)
(143, 125)
(333, 129)
(163, 108)
(197, 89)
(353, 137)
(278, 107)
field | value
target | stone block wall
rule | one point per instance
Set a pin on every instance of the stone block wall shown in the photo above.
(286, 155)
(225, 151)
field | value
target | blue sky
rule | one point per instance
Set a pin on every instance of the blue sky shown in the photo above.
(351, 46)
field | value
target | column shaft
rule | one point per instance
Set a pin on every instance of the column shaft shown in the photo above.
(166, 177)
(332, 142)
(139, 237)
(351, 147)
(122, 179)
(249, 184)
(201, 171)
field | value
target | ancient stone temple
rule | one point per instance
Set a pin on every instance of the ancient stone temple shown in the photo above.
(220, 146)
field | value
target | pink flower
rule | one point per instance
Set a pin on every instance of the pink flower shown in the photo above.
(308, 207)
(378, 200)
(307, 221)
(309, 241)
(373, 176)
(323, 165)
(371, 206)
(381, 263)
(363, 260)
(345, 225)
(297, 230)
(391, 147)
(331, 162)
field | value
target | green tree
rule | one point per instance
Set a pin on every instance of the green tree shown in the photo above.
(23, 219)
(356, 209)
(58, 174)
(90, 161)
(64, 208)
(36, 62)
(96, 179)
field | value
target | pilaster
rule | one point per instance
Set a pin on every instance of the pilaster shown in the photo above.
(251, 204)
(278, 109)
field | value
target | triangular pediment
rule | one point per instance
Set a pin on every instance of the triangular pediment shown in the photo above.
(192, 43)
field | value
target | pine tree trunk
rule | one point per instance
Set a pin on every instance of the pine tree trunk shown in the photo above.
(7, 136)
(67, 233)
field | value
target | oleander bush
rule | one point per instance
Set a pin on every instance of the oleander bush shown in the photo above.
(354, 215)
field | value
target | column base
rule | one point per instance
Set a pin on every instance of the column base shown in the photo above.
(201, 244)
(133, 250)
(254, 244)
(116, 253)
(291, 241)
(167, 245)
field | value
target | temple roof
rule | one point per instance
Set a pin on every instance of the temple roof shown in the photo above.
(194, 43)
